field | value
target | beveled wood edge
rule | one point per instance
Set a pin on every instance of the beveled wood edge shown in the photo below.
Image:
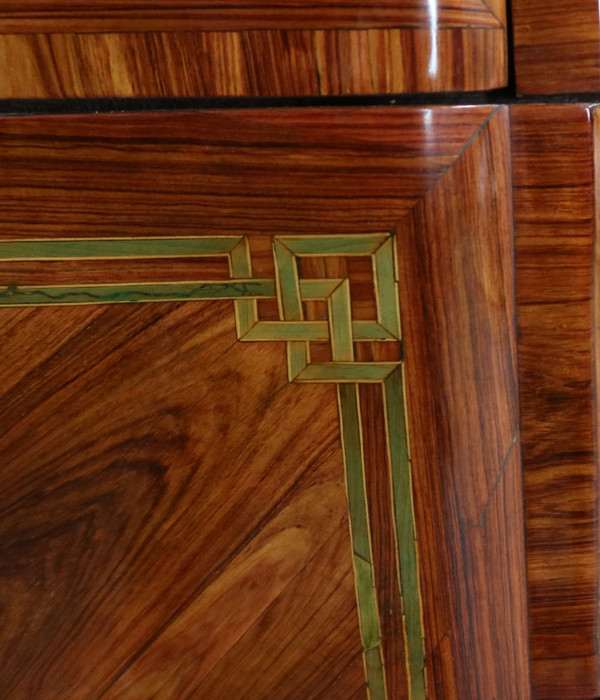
(262, 63)
(400, 473)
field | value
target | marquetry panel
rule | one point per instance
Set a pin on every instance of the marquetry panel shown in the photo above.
(136, 518)
(557, 46)
(64, 49)
(555, 210)
(338, 229)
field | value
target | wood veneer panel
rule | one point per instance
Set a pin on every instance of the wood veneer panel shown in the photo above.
(187, 174)
(48, 16)
(53, 50)
(557, 46)
(127, 506)
(553, 152)
(420, 177)
(277, 62)
(457, 305)
(276, 676)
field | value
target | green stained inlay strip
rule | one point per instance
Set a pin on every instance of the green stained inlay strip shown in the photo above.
(314, 290)
(240, 266)
(334, 245)
(288, 330)
(135, 293)
(366, 597)
(298, 357)
(405, 531)
(386, 292)
(290, 304)
(94, 248)
(311, 330)
(369, 330)
(290, 292)
(288, 285)
(347, 372)
(340, 324)
(375, 672)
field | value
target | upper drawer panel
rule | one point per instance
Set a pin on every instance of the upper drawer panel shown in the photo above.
(557, 46)
(143, 48)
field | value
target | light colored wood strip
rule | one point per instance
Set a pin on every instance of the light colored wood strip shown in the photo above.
(240, 265)
(340, 324)
(135, 293)
(386, 289)
(103, 248)
(406, 536)
(349, 407)
(334, 245)
(345, 372)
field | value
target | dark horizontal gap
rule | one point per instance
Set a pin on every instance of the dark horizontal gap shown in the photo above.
(106, 105)
(93, 105)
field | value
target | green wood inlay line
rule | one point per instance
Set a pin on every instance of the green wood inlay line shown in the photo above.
(347, 372)
(288, 330)
(298, 357)
(334, 245)
(288, 285)
(366, 597)
(340, 324)
(102, 248)
(290, 304)
(318, 331)
(240, 266)
(362, 331)
(375, 673)
(386, 292)
(369, 330)
(135, 293)
(318, 290)
(405, 531)
(342, 332)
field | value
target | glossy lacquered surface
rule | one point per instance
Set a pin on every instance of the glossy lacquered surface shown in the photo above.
(176, 508)
(555, 228)
(60, 49)
(557, 46)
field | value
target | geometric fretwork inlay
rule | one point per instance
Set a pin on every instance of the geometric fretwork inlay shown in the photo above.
(289, 290)
(340, 330)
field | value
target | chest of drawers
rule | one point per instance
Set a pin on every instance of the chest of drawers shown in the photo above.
(298, 315)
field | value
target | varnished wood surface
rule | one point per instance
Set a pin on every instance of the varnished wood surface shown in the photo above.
(388, 584)
(252, 62)
(115, 175)
(186, 49)
(457, 305)
(557, 46)
(127, 556)
(18, 16)
(554, 197)
(103, 388)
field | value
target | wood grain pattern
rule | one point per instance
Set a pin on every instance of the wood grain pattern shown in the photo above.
(158, 49)
(377, 469)
(557, 46)
(553, 150)
(287, 252)
(457, 301)
(115, 175)
(258, 173)
(51, 16)
(278, 62)
(109, 490)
